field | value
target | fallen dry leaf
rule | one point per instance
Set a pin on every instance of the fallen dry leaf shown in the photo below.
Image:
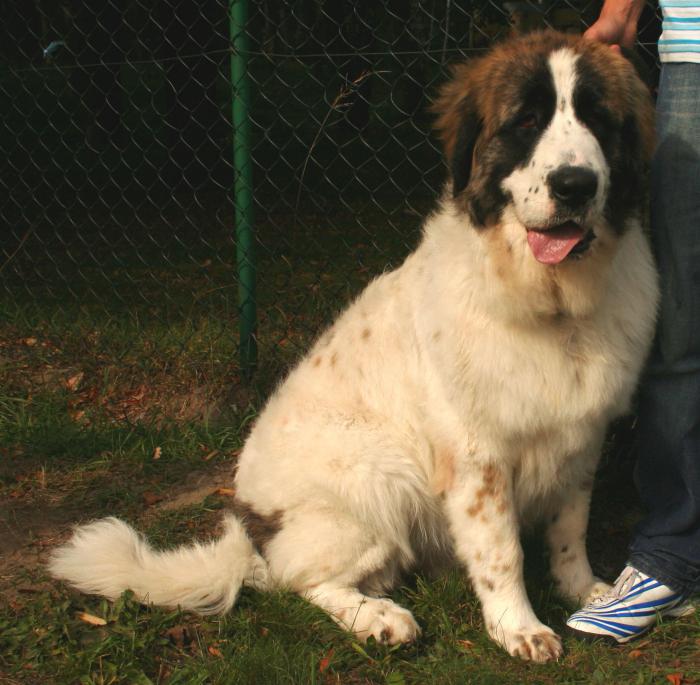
(151, 498)
(635, 654)
(92, 620)
(211, 455)
(325, 661)
(30, 342)
(215, 652)
(156, 453)
(675, 678)
(465, 644)
(179, 636)
(74, 381)
(226, 492)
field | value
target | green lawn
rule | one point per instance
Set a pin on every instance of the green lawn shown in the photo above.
(126, 399)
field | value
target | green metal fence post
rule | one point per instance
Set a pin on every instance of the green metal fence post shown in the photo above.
(243, 185)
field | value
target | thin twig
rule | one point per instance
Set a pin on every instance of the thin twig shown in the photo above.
(30, 230)
(339, 103)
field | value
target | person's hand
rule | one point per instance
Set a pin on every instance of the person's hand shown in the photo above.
(617, 23)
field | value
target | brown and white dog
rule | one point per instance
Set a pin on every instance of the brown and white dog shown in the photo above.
(461, 395)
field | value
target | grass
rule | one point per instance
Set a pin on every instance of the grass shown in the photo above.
(127, 400)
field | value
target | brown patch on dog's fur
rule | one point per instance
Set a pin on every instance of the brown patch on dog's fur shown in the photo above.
(475, 508)
(261, 528)
(488, 584)
(492, 483)
(523, 648)
(386, 635)
(444, 473)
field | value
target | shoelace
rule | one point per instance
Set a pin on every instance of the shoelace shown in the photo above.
(621, 587)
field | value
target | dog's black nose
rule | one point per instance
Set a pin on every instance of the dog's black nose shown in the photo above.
(573, 185)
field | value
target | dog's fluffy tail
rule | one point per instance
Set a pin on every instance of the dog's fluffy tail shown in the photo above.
(108, 557)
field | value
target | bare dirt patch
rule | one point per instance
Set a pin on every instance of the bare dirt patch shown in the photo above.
(33, 525)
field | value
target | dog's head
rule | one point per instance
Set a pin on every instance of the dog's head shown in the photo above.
(551, 134)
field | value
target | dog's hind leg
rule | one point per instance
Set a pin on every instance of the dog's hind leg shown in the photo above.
(365, 616)
(336, 562)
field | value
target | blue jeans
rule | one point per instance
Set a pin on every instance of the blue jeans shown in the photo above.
(666, 544)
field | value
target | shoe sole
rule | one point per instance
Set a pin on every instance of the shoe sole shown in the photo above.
(680, 611)
(593, 638)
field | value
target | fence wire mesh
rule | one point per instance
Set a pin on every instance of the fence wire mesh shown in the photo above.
(118, 249)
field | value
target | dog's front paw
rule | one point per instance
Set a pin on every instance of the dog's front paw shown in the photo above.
(597, 589)
(538, 644)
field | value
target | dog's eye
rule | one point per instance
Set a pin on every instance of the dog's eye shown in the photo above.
(527, 121)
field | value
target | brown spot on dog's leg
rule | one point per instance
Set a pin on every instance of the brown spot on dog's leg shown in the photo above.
(366, 333)
(523, 648)
(317, 360)
(475, 508)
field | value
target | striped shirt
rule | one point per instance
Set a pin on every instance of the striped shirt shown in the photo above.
(680, 36)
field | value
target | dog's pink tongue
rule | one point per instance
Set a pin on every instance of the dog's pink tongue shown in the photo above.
(552, 246)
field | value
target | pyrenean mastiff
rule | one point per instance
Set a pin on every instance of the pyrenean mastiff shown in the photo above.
(463, 394)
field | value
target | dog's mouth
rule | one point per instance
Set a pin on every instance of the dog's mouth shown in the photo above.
(553, 245)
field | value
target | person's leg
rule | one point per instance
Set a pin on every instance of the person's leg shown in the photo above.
(664, 561)
(666, 544)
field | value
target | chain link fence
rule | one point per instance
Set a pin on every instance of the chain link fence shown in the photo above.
(120, 127)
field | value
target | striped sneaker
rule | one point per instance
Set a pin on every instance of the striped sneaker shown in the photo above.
(629, 609)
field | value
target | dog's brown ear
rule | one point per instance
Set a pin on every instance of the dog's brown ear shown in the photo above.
(458, 125)
(640, 66)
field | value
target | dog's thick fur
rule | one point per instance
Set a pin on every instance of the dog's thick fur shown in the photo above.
(461, 395)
